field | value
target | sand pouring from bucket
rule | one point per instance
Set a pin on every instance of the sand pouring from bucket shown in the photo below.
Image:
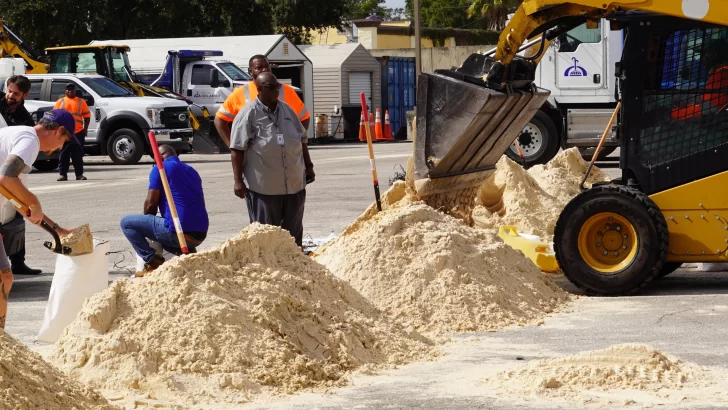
(463, 127)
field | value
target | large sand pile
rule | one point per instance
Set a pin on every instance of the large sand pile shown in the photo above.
(253, 316)
(27, 382)
(532, 200)
(627, 371)
(435, 273)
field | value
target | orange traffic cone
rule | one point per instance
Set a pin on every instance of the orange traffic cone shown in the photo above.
(362, 130)
(387, 128)
(371, 126)
(378, 126)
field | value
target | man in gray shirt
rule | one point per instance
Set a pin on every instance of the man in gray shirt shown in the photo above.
(271, 164)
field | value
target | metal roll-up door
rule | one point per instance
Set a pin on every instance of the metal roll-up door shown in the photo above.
(360, 82)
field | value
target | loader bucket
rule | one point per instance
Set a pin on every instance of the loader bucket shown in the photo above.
(463, 129)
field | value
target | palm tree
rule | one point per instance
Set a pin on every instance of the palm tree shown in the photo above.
(495, 11)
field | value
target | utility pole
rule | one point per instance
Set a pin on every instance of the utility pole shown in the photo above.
(418, 43)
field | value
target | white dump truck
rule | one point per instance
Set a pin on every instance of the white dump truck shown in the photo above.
(579, 70)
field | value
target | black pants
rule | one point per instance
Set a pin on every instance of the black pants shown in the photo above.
(73, 152)
(285, 211)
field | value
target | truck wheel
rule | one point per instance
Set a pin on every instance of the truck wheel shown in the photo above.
(125, 147)
(539, 141)
(47, 165)
(611, 240)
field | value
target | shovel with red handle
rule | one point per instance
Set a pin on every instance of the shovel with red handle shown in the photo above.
(168, 193)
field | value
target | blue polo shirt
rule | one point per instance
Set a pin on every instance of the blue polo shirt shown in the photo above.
(186, 186)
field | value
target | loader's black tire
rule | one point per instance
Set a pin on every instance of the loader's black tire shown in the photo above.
(626, 220)
(539, 141)
(668, 268)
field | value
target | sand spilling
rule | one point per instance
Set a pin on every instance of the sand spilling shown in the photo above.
(79, 240)
(433, 272)
(627, 370)
(29, 383)
(532, 200)
(253, 316)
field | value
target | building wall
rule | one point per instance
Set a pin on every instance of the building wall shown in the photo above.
(327, 89)
(435, 58)
(392, 41)
(330, 36)
(361, 60)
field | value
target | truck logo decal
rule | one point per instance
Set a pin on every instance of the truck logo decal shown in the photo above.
(206, 95)
(182, 117)
(575, 70)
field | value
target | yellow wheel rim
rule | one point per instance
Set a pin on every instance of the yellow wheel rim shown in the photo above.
(608, 242)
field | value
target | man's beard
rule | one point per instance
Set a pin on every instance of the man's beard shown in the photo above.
(11, 101)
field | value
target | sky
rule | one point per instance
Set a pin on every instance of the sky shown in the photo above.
(394, 4)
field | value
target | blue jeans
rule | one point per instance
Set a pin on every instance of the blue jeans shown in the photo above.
(137, 228)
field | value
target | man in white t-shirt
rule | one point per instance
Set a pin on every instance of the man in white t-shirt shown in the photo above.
(19, 147)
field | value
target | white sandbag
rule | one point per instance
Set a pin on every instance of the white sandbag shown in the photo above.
(157, 249)
(75, 279)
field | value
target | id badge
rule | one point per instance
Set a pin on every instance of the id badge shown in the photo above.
(279, 137)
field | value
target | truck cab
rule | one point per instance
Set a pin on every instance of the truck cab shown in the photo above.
(194, 75)
(120, 120)
(579, 70)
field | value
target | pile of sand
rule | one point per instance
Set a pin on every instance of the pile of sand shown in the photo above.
(27, 382)
(433, 272)
(617, 368)
(253, 316)
(532, 200)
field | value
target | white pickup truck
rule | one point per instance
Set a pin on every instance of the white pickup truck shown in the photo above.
(120, 120)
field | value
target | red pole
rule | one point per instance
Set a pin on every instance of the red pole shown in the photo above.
(168, 193)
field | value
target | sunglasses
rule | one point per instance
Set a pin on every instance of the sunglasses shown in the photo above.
(271, 86)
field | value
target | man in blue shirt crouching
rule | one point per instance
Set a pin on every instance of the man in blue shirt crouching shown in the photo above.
(186, 186)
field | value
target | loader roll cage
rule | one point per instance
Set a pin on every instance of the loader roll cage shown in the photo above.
(674, 125)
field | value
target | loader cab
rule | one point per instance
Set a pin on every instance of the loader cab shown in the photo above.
(675, 97)
(109, 61)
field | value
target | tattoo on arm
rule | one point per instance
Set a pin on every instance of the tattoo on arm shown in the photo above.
(12, 167)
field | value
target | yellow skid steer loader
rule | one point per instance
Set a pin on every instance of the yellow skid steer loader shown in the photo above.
(670, 206)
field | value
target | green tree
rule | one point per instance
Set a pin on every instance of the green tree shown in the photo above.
(45, 23)
(445, 14)
(495, 12)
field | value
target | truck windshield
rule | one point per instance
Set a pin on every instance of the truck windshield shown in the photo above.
(66, 62)
(105, 87)
(119, 63)
(234, 72)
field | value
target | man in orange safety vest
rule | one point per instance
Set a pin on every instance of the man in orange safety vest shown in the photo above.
(74, 151)
(248, 93)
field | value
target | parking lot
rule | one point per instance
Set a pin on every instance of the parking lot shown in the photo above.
(682, 314)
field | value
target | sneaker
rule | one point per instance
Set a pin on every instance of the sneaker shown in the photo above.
(62, 178)
(81, 178)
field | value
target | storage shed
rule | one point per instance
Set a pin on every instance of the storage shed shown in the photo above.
(340, 73)
(293, 67)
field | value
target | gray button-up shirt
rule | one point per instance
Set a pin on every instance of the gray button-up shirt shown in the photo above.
(270, 168)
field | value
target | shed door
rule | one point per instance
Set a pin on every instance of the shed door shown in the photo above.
(360, 82)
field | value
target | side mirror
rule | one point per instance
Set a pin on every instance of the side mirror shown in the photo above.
(89, 100)
(214, 78)
(226, 84)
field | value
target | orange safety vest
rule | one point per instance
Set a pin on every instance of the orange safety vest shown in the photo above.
(249, 92)
(718, 80)
(77, 107)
